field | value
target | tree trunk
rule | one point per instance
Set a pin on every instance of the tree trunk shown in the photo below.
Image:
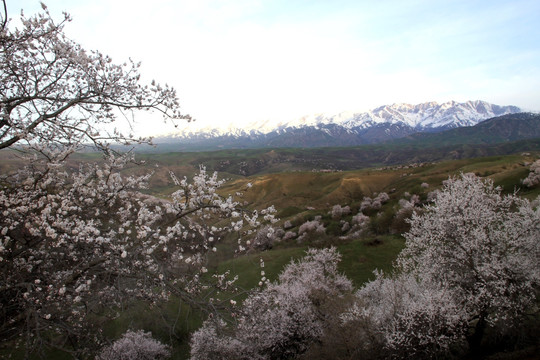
(475, 339)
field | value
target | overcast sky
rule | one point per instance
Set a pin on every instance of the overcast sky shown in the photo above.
(240, 61)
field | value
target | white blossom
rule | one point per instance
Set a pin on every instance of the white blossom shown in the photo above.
(65, 233)
(281, 320)
(135, 345)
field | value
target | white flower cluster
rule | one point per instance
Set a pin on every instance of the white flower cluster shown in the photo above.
(375, 203)
(280, 320)
(338, 211)
(471, 260)
(73, 239)
(533, 178)
(135, 345)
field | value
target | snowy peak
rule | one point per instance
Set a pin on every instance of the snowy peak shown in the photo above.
(347, 128)
(425, 116)
(431, 115)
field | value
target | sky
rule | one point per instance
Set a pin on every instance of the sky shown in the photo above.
(246, 61)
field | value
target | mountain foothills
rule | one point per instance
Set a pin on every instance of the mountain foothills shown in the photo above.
(345, 129)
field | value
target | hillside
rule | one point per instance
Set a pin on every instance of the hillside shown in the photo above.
(503, 135)
(236, 163)
(305, 196)
(498, 136)
(319, 189)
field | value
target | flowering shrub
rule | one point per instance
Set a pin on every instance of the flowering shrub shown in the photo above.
(311, 226)
(310, 229)
(289, 235)
(471, 261)
(375, 203)
(360, 219)
(264, 238)
(413, 319)
(400, 223)
(533, 178)
(135, 346)
(338, 211)
(282, 320)
(480, 244)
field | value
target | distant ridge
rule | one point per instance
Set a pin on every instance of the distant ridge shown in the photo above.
(506, 128)
(382, 124)
(503, 135)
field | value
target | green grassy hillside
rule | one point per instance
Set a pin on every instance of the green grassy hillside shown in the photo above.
(303, 196)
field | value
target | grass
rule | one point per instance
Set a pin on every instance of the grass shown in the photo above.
(248, 268)
(361, 257)
(171, 322)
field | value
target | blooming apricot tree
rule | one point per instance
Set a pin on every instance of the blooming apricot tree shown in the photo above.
(533, 178)
(55, 92)
(73, 242)
(482, 245)
(282, 320)
(133, 345)
(471, 261)
(412, 319)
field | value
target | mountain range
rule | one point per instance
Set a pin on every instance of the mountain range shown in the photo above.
(344, 129)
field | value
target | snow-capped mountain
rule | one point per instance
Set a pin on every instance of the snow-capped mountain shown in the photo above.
(347, 128)
(432, 115)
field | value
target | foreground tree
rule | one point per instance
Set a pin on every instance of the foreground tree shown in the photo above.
(471, 262)
(75, 243)
(482, 246)
(282, 320)
(401, 317)
(54, 92)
